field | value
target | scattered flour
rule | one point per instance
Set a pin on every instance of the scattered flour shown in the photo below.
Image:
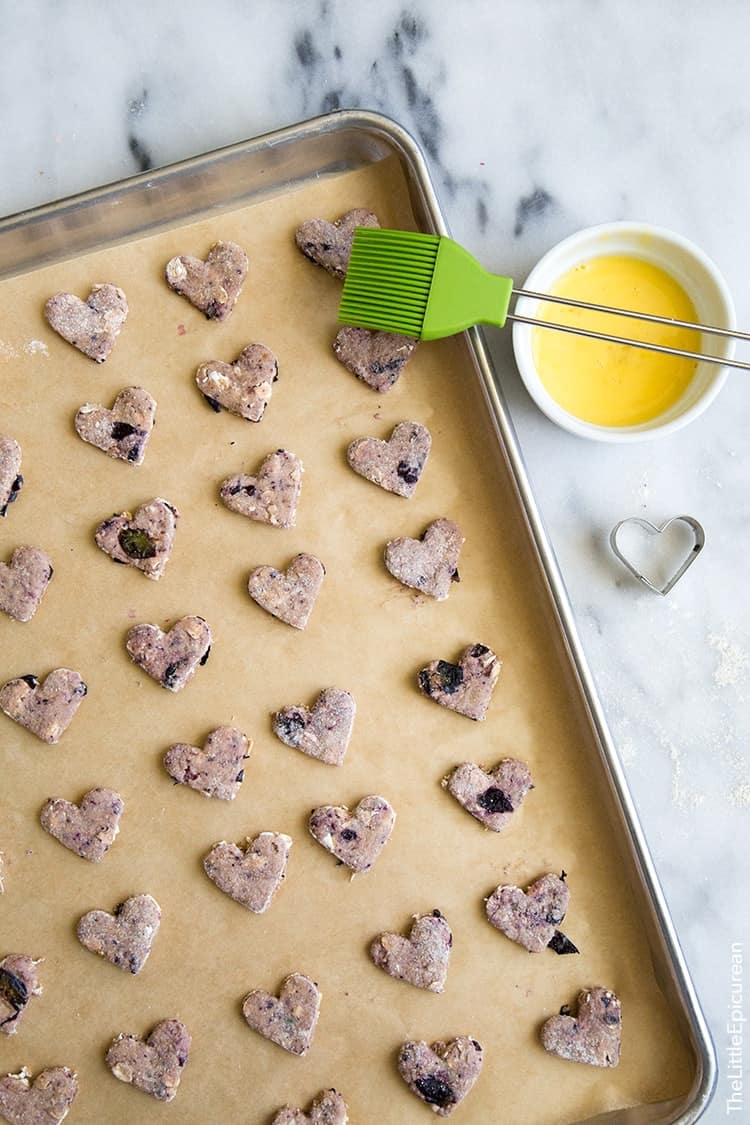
(733, 662)
(7, 351)
(34, 347)
(740, 795)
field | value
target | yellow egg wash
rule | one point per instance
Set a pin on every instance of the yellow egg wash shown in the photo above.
(612, 384)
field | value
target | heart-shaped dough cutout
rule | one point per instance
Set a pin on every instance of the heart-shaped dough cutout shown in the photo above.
(124, 937)
(18, 983)
(289, 595)
(422, 957)
(330, 244)
(252, 874)
(428, 564)
(356, 838)
(156, 1065)
(243, 387)
(288, 1019)
(492, 796)
(377, 358)
(45, 709)
(328, 1108)
(322, 731)
(92, 325)
(11, 481)
(23, 581)
(88, 829)
(441, 1074)
(171, 658)
(213, 285)
(532, 917)
(396, 464)
(123, 431)
(272, 495)
(594, 1036)
(698, 542)
(465, 687)
(45, 1101)
(216, 769)
(143, 540)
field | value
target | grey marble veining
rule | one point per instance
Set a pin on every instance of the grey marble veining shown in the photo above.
(537, 118)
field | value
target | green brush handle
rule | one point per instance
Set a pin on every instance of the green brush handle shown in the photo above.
(463, 293)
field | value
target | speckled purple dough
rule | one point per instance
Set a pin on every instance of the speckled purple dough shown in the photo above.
(252, 874)
(322, 731)
(124, 937)
(593, 1037)
(288, 1019)
(356, 838)
(441, 1074)
(46, 709)
(45, 1101)
(465, 687)
(11, 481)
(171, 658)
(92, 325)
(216, 769)
(289, 595)
(491, 796)
(123, 431)
(396, 464)
(213, 285)
(23, 582)
(272, 495)
(328, 1108)
(154, 1066)
(244, 387)
(330, 244)
(428, 564)
(88, 829)
(143, 540)
(422, 957)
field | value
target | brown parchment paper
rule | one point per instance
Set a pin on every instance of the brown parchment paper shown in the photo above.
(368, 635)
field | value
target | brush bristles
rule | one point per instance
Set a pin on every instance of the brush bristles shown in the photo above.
(388, 280)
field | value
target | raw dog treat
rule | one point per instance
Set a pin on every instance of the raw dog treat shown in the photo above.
(594, 1037)
(289, 1019)
(243, 387)
(330, 244)
(322, 731)
(23, 581)
(531, 917)
(123, 431)
(490, 796)
(11, 481)
(213, 285)
(328, 1108)
(271, 496)
(154, 1066)
(356, 838)
(45, 1101)
(144, 540)
(465, 687)
(422, 958)
(253, 874)
(217, 769)
(171, 658)
(18, 983)
(290, 594)
(45, 709)
(377, 358)
(441, 1074)
(92, 325)
(2, 873)
(397, 464)
(124, 937)
(88, 829)
(428, 564)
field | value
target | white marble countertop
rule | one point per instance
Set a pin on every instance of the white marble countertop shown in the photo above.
(537, 118)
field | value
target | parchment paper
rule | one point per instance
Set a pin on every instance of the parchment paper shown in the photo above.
(368, 635)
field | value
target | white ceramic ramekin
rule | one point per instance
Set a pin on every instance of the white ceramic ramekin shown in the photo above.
(688, 265)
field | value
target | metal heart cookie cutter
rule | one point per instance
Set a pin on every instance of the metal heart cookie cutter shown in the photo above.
(699, 542)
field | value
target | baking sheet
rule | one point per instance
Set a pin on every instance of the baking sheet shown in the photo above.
(368, 635)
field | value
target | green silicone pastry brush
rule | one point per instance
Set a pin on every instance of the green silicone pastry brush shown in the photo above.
(427, 286)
